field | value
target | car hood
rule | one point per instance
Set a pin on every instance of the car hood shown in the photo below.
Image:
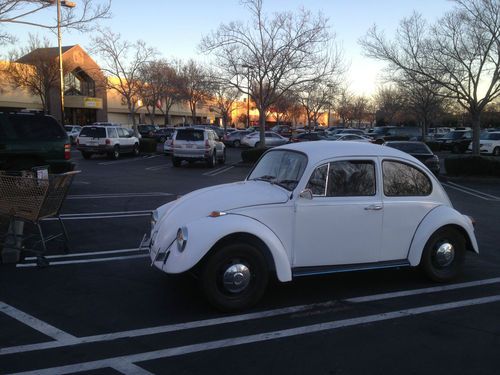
(227, 197)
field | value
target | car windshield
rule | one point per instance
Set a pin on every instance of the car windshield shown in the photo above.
(411, 148)
(281, 167)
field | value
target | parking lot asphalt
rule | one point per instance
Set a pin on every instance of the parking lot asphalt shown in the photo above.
(101, 309)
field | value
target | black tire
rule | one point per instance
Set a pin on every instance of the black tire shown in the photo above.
(72, 140)
(176, 162)
(455, 149)
(257, 144)
(115, 154)
(212, 159)
(218, 264)
(236, 143)
(136, 150)
(223, 159)
(442, 269)
(86, 155)
(496, 151)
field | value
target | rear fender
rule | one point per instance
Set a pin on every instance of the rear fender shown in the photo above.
(204, 233)
(439, 217)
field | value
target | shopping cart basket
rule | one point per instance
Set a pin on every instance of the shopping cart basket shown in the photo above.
(29, 199)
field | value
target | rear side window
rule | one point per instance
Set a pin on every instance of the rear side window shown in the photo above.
(189, 135)
(355, 178)
(402, 180)
(93, 132)
(31, 128)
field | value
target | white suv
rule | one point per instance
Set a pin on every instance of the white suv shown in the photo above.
(110, 140)
(195, 144)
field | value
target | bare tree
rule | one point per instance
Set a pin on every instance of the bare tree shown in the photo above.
(360, 109)
(460, 53)
(79, 18)
(38, 75)
(196, 85)
(276, 54)
(315, 97)
(389, 102)
(284, 108)
(224, 98)
(344, 105)
(122, 64)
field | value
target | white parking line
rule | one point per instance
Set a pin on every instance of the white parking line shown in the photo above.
(128, 368)
(218, 171)
(462, 189)
(474, 190)
(78, 261)
(158, 167)
(116, 362)
(242, 317)
(128, 160)
(122, 195)
(61, 337)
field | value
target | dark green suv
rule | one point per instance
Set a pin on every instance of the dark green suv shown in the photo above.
(28, 140)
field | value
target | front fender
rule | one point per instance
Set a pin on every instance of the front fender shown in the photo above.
(439, 217)
(204, 233)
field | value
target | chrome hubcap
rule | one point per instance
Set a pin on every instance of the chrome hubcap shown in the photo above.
(445, 254)
(236, 278)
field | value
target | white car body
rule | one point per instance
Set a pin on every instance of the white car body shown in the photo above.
(489, 143)
(272, 139)
(304, 234)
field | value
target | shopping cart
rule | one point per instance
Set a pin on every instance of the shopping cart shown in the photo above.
(26, 198)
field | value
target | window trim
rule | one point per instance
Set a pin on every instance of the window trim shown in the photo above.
(410, 165)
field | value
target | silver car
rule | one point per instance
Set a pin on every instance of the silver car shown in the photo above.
(272, 139)
(195, 144)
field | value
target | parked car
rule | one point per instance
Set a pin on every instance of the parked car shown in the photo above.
(197, 144)
(110, 140)
(234, 138)
(350, 131)
(162, 134)
(301, 211)
(349, 137)
(283, 130)
(437, 132)
(306, 137)
(73, 131)
(489, 143)
(420, 151)
(456, 141)
(383, 134)
(272, 139)
(217, 129)
(147, 131)
(30, 140)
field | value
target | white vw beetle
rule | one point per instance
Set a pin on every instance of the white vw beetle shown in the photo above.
(307, 209)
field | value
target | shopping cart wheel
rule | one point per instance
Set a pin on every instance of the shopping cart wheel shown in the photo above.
(42, 262)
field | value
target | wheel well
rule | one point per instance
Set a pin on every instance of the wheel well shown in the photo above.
(246, 238)
(462, 231)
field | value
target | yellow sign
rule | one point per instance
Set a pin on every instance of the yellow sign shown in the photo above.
(95, 103)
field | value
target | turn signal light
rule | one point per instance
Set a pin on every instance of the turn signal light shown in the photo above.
(216, 214)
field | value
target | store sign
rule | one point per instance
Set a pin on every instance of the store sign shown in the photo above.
(95, 103)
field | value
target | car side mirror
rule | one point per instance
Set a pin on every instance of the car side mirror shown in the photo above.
(306, 194)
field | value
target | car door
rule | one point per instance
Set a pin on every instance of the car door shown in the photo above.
(342, 223)
(124, 139)
(407, 200)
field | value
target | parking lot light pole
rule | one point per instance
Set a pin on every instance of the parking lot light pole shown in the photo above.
(66, 4)
(249, 67)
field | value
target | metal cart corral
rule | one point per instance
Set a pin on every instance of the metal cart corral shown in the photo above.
(30, 199)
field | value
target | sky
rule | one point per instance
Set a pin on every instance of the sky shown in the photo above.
(175, 28)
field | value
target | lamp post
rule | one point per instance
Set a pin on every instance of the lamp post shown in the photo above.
(249, 67)
(66, 4)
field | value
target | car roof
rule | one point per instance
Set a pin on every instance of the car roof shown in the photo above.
(320, 150)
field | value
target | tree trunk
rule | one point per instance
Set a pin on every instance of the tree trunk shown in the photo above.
(476, 131)
(153, 114)
(166, 118)
(262, 124)
(193, 113)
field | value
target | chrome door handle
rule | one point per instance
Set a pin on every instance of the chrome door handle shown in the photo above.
(374, 207)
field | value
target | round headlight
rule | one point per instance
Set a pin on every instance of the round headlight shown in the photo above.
(181, 239)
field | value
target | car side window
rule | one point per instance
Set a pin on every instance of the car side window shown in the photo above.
(351, 178)
(122, 133)
(112, 133)
(317, 182)
(401, 180)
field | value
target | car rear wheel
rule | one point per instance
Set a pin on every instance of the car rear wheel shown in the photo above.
(176, 162)
(115, 154)
(257, 144)
(444, 255)
(222, 160)
(236, 143)
(212, 159)
(136, 151)
(496, 151)
(86, 155)
(235, 277)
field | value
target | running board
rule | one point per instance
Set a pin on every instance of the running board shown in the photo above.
(324, 270)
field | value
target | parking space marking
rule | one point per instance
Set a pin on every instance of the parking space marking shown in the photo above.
(242, 317)
(60, 336)
(129, 368)
(78, 261)
(475, 193)
(218, 171)
(128, 160)
(158, 167)
(474, 190)
(120, 195)
(116, 362)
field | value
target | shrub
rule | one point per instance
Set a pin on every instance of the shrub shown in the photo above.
(147, 145)
(470, 165)
(252, 155)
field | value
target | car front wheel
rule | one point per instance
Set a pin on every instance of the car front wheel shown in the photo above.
(444, 255)
(236, 143)
(235, 277)
(496, 151)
